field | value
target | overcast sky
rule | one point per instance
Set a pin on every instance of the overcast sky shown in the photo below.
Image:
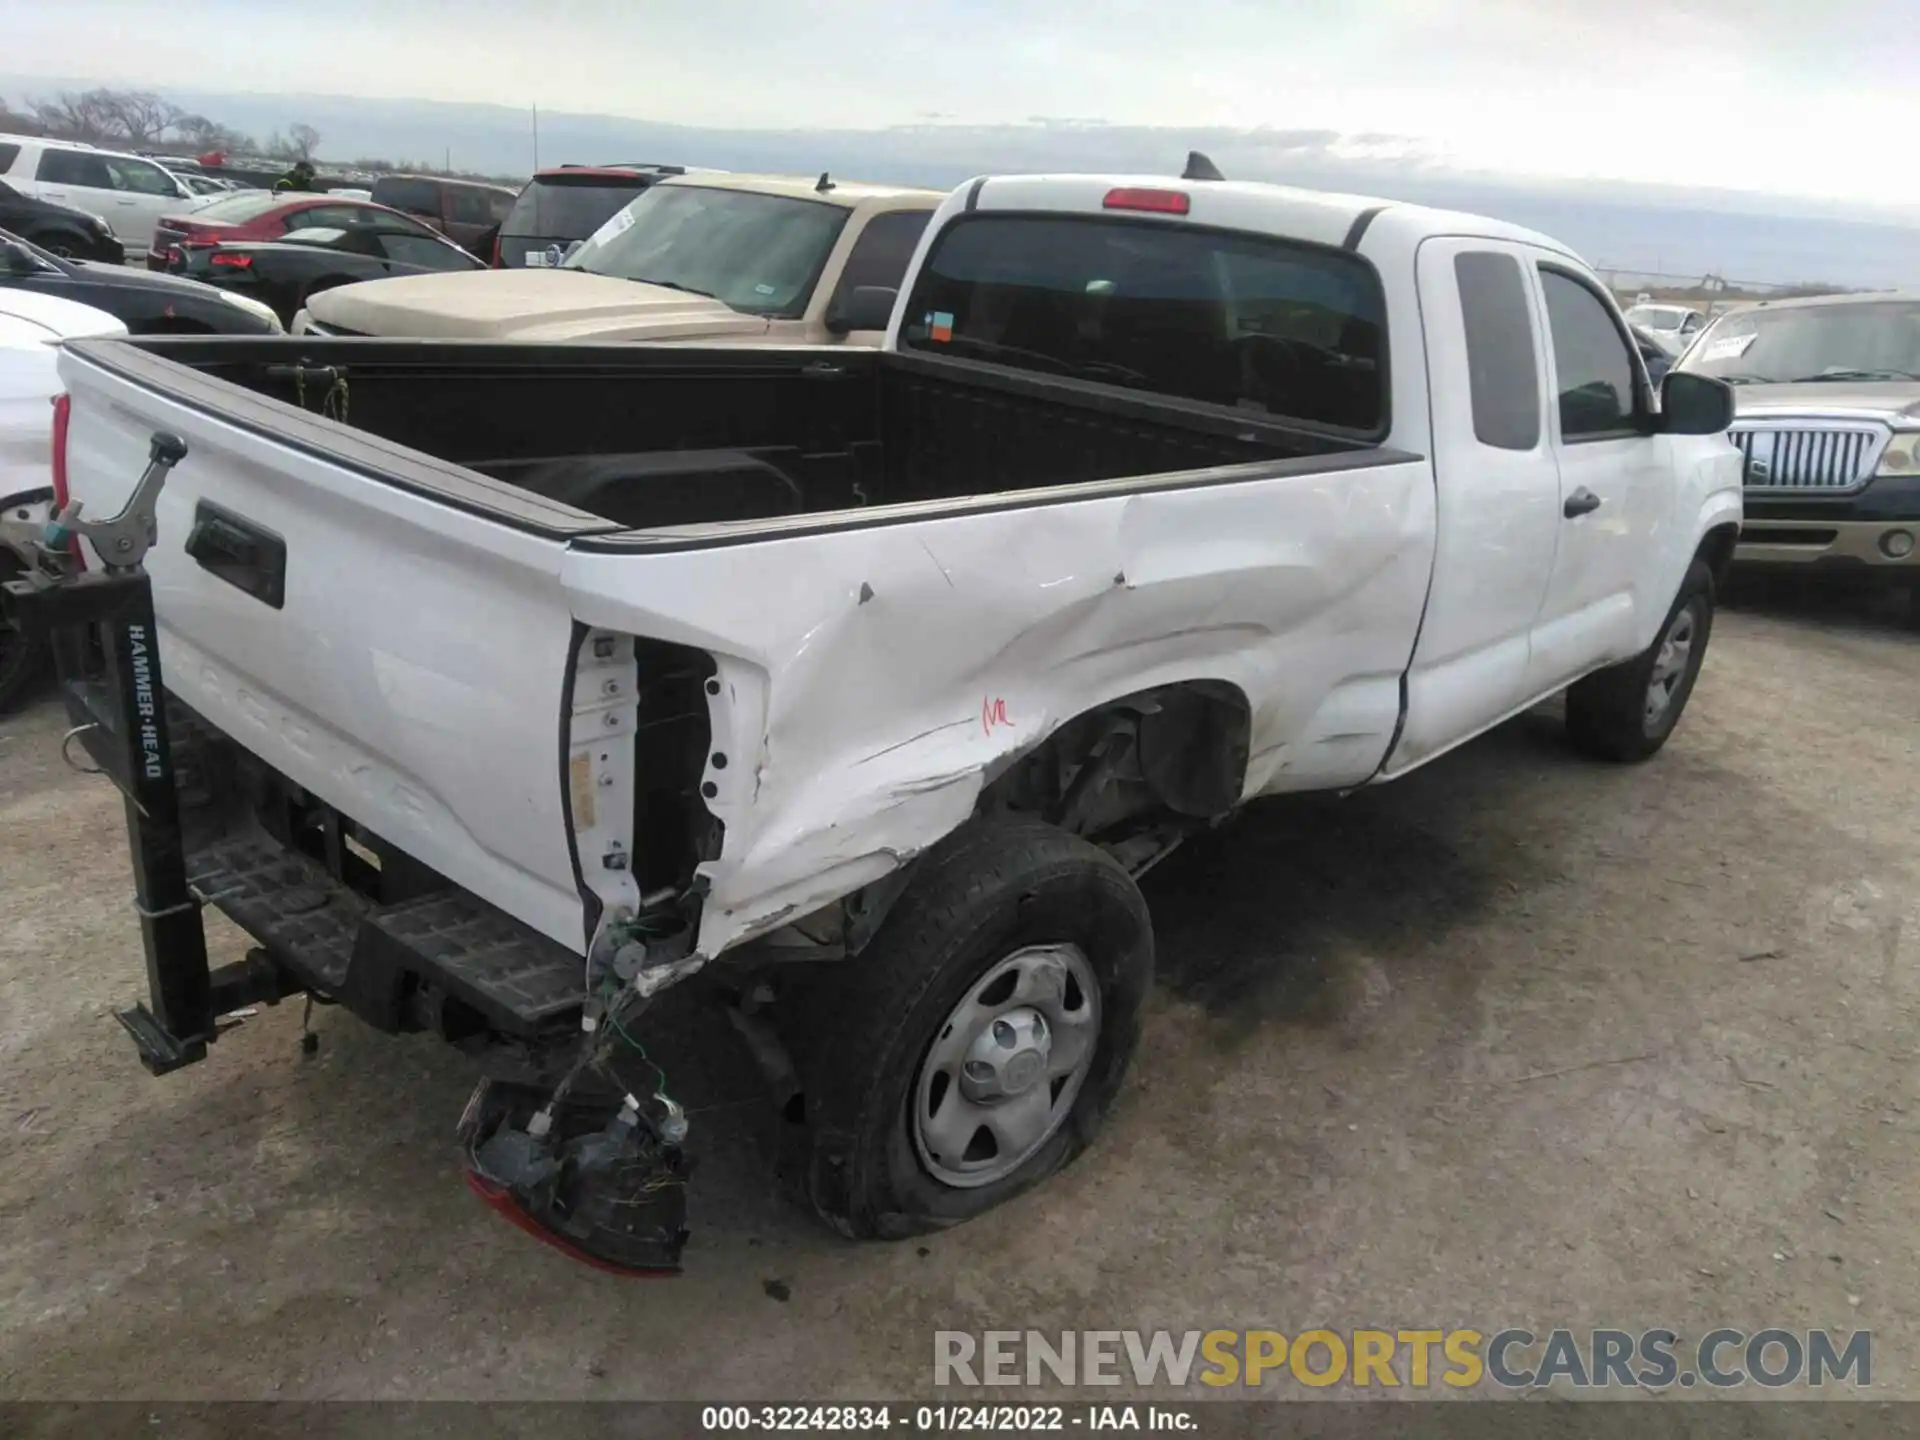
(1807, 97)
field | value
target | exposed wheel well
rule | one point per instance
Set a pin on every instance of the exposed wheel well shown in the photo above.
(1135, 775)
(1173, 751)
(1717, 550)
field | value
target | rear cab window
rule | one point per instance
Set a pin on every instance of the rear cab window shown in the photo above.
(1253, 322)
(569, 207)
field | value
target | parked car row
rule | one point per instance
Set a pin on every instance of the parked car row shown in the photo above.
(127, 193)
(715, 257)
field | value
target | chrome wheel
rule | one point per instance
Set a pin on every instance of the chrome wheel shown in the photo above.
(1004, 1069)
(1670, 666)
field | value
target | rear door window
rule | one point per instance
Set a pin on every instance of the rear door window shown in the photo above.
(75, 167)
(8, 154)
(1248, 321)
(1503, 367)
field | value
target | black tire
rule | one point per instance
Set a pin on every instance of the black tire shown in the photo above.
(22, 662)
(1608, 712)
(862, 1028)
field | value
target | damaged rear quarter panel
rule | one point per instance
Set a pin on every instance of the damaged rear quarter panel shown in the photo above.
(871, 678)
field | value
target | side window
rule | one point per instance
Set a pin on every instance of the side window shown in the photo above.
(327, 217)
(417, 197)
(469, 207)
(74, 167)
(1592, 367)
(880, 255)
(136, 177)
(424, 251)
(8, 154)
(1503, 367)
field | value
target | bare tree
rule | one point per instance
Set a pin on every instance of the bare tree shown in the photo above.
(204, 134)
(132, 117)
(302, 141)
(83, 116)
(140, 117)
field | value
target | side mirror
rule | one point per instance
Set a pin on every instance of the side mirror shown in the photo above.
(865, 307)
(1693, 404)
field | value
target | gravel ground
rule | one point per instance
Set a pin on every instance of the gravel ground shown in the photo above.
(1522, 1040)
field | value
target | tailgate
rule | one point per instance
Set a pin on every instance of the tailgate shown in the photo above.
(388, 632)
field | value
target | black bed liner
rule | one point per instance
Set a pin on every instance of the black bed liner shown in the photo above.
(613, 446)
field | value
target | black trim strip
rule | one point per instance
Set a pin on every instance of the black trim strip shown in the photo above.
(749, 532)
(973, 192)
(590, 905)
(1357, 231)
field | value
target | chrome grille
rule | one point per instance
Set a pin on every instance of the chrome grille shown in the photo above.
(1803, 458)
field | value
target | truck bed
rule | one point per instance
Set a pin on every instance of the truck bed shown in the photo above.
(645, 438)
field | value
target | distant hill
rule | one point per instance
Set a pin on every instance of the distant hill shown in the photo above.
(1624, 226)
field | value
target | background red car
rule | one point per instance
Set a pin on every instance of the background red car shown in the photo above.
(268, 215)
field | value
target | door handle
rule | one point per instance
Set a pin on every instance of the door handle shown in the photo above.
(1581, 502)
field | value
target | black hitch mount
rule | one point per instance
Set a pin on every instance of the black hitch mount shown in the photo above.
(100, 627)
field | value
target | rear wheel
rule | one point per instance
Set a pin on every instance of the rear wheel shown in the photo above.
(977, 1043)
(1627, 711)
(57, 242)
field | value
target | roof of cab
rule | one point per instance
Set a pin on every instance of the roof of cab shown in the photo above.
(1325, 216)
(806, 187)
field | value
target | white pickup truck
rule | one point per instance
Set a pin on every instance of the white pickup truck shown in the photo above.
(516, 683)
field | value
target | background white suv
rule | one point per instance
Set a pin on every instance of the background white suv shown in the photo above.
(127, 191)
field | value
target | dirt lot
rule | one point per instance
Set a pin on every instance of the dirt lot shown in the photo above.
(1522, 1040)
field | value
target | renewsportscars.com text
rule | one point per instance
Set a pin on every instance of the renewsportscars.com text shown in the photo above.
(1512, 1358)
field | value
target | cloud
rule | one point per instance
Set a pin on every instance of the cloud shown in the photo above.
(1761, 94)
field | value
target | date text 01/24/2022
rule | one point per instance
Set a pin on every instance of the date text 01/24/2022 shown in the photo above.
(943, 1419)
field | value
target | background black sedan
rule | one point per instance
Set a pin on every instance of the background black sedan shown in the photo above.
(283, 273)
(57, 229)
(147, 304)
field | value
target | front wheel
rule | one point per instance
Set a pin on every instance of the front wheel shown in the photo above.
(1627, 711)
(976, 1044)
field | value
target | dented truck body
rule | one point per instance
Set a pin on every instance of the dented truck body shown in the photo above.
(654, 657)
